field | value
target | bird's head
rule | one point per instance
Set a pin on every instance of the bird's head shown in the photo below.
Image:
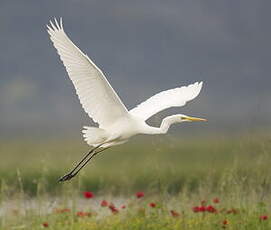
(184, 118)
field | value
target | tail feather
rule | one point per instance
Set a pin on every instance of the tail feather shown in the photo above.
(94, 136)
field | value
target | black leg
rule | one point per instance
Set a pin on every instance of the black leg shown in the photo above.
(68, 176)
(74, 173)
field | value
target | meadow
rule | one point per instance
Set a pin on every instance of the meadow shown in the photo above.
(211, 182)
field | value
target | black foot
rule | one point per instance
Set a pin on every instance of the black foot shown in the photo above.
(66, 177)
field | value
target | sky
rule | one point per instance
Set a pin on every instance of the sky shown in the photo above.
(143, 47)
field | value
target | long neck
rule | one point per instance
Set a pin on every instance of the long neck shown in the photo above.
(166, 123)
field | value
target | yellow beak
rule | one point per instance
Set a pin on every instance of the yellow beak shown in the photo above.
(195, 119)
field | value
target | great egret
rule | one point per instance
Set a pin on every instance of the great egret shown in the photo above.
(102, 104)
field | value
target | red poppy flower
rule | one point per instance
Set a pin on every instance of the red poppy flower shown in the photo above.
(111, 205)
(65, 210)
(45, 224)
(153, 205)
(104, 203)
(195, 209)
(88, 194)
(263, 217)
(216, 200)
(202, 209)
(83, 214)
(123, 206)
(113, 209)
(80, 213)
(225, 222)
(211, 209)
(174, 213)
(140, 194)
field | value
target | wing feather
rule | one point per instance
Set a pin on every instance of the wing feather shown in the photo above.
(166, 99)
(96, 95)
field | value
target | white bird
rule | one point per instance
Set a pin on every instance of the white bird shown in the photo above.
(102, 104)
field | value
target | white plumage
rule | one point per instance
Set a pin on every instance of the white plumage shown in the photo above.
(166, 99)
(96, 95)
(102, 104)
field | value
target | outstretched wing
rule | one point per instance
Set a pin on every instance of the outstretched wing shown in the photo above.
(96, 95)
(166, 99)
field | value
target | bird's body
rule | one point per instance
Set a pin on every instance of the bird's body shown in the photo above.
(102, 104)
(117, 133)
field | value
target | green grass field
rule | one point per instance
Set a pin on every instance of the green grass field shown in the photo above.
(177, 174)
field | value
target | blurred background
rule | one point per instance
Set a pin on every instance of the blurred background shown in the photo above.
(143, 47)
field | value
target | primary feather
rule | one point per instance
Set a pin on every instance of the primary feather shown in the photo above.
(96, 95)
(166, 99)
